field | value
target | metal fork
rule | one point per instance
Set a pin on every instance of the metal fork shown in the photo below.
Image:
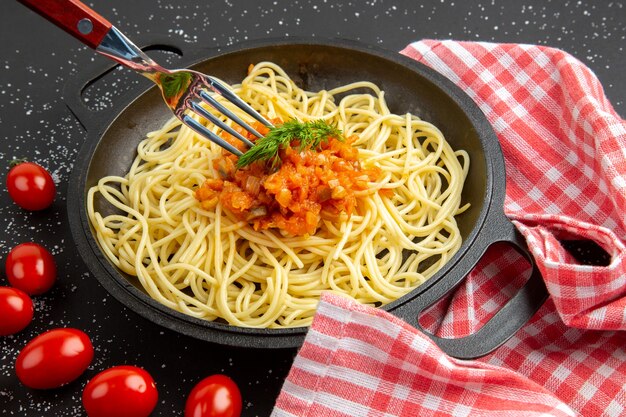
(183, 90)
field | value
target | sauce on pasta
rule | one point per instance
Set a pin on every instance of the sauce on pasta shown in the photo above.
(309, 185)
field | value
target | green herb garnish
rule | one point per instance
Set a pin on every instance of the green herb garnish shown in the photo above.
(173, 84)
(309, 134)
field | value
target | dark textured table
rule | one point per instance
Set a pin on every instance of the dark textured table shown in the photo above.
(36, 61)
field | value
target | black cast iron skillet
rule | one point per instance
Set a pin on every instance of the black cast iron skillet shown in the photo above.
(409, 87)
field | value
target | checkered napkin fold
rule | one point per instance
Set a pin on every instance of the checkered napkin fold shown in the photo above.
(565, 154)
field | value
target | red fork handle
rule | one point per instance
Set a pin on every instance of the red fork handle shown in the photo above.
(74, 17)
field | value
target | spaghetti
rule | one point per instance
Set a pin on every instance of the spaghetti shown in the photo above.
(207, 263)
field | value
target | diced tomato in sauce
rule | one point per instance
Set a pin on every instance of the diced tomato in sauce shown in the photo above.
(309, 186)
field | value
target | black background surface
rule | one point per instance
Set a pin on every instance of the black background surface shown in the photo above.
(37, 59)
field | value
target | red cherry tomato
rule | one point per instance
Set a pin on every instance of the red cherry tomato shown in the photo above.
(31, 268)
(54, 358)
(31, 186)
(120, 391)
(214, 396)
(16, 310)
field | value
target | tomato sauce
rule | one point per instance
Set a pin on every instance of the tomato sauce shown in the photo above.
(310, 185)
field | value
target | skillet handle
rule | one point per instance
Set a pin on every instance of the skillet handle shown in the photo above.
(75, 87)
(504, 324)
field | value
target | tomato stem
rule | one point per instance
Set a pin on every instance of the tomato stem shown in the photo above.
(17, 161)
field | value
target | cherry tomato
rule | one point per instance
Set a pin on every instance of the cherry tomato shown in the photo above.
(31, 268)
(16, 310)
(214, 396)
(54, 358)
(120, 391)
(31, 186)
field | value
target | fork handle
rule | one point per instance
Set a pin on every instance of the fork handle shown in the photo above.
(74, 17)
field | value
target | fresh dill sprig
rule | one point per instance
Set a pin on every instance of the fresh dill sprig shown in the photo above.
(309, 134)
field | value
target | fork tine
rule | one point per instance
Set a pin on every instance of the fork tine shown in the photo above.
(202, 130)
(198, 109)
(233, 98)
(206, 97)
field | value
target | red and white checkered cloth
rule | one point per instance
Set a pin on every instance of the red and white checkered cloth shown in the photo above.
(565, 153)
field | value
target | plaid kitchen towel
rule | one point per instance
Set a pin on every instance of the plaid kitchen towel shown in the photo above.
(565, 153)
